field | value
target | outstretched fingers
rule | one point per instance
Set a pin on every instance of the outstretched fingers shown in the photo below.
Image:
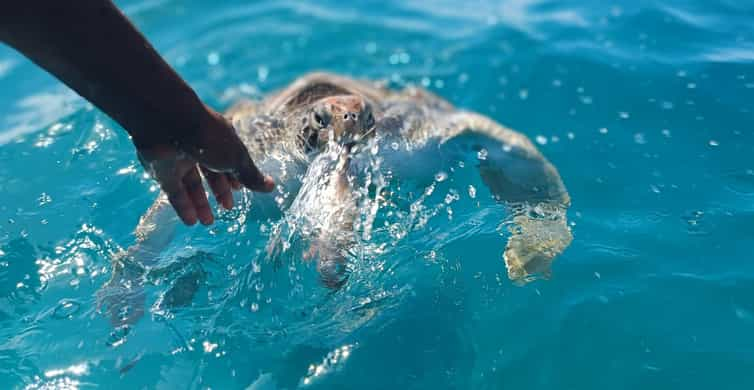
(195, 190)
(252, 178)
(222, 186)
(186, 195)
(182, 204)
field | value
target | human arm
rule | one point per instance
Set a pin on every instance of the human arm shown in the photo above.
(93, 48)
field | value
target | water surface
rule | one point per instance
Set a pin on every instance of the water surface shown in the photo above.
(644, 107)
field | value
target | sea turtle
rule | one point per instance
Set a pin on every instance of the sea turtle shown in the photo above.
(288, 127)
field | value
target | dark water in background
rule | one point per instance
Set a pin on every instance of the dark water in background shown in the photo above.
(644, 107)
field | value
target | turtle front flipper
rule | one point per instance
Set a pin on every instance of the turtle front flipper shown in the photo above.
(539, 233)
(122, 297)
(517, 174)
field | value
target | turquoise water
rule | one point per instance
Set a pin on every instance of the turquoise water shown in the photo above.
(645, 107)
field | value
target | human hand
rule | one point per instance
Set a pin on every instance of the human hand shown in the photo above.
(219, 154)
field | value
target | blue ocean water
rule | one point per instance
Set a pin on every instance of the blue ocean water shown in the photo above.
(645, 107)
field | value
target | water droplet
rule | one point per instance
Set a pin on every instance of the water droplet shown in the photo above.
(603, 130)
(450, 197)
(623, 115)
(44, 199)
(394, 146)
(482, 154)
(743, 314)
(208, 347)
(694, 221)
(213, 58)
(254, 307)
(640, 139)
(441, 176)
(523, 94)
(66, 309)
(118, 336)
(472, 191)
(713, 143)
(262, 73)
(542, 140)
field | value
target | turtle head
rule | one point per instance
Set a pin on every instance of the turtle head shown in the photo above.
(347, 118)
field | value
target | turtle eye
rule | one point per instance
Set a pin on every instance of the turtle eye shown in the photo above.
(319, 120)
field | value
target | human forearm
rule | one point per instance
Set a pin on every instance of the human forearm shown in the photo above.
(95, 50)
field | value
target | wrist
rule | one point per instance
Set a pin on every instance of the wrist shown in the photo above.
(178, 126)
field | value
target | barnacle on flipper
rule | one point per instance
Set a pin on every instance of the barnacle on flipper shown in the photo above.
(538, 235)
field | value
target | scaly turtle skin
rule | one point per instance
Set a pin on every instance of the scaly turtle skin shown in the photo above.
(303, 117)
(299, 120)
